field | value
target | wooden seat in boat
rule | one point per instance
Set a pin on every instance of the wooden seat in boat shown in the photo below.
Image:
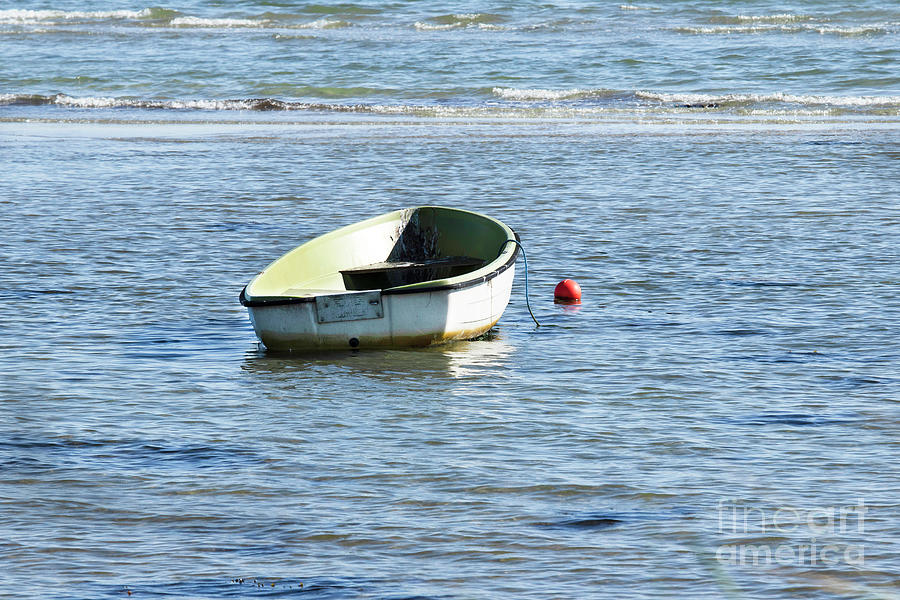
(390, 274)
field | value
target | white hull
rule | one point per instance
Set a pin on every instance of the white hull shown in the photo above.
(407, 319)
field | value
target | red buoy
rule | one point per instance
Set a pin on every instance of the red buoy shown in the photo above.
(567, 292)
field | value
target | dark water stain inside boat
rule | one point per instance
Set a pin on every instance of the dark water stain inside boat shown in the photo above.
(417, 239)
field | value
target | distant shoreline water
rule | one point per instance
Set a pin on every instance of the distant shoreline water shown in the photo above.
(757, 57)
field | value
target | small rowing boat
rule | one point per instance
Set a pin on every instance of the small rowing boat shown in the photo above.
(414, 277)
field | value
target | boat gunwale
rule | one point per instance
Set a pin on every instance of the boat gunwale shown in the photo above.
(282, 300)
(417, 288)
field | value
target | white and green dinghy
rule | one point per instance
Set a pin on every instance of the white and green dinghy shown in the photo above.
(413, 277)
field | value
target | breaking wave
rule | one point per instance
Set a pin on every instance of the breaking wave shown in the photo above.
(216, 23)
(248, 104)
(349, 15)
(506, 101)
(544, 95)
(460, 21)
(163, 17)
(313, 17)
(26, 16)
(785, 24)
(780, 98)
(256, 22)
(777, 18)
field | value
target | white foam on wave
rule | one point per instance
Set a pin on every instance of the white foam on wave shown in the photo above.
(86, 102)
(777, 18)
(110, 102)
(540, 95)
(421, 26)
(763, 27)
(226, 23)
(99, 102)
(854, 31)
(26, 16)
(763, 105)
(154, 17)
(738, 29)
(19, 30)
(215, 23)
(808, 100)
(324, 23)
(482, 21)
(209, 104)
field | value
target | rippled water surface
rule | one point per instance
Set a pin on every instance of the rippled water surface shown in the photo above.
(718, 419)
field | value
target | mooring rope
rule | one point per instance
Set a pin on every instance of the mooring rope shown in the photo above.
(525, 261)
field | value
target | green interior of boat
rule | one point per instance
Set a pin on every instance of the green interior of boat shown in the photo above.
(406, 248)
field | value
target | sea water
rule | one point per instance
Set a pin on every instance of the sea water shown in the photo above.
(719, 418)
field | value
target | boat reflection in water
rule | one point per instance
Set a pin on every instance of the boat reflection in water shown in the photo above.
(435, 369)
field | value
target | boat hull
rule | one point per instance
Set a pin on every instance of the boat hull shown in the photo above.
(409, 320)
